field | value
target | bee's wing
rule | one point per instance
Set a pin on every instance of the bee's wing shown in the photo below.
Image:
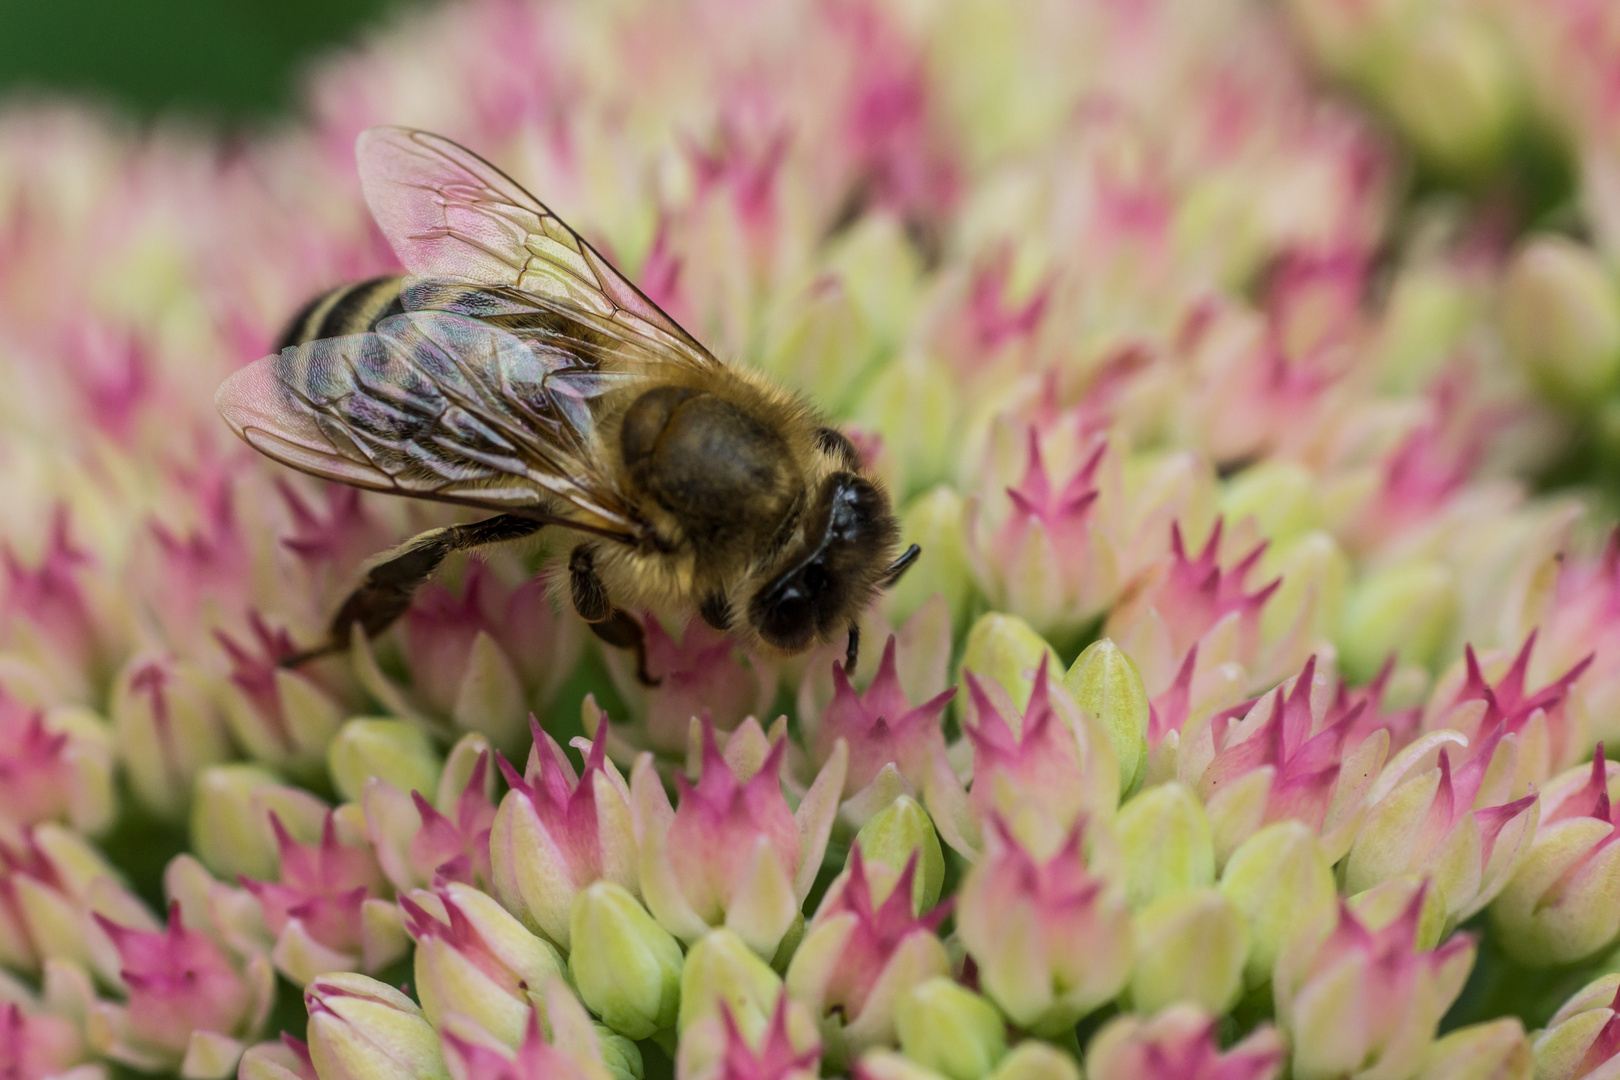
(439, 405)
(449, 214)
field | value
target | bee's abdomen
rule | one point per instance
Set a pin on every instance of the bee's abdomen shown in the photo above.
(347, 309)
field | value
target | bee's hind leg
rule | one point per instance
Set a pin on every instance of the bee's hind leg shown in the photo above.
(613, 625)
(386, 592)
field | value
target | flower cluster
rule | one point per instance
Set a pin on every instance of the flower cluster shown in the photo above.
(1247, 704)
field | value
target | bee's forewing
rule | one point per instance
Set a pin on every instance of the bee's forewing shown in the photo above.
(450, 214)
(432, 404)
(277, 424)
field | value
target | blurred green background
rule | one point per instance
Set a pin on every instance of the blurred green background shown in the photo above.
(234, 61)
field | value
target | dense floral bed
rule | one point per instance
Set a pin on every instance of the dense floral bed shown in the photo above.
(1243, 718)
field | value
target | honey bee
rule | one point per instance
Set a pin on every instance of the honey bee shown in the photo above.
(515, 370)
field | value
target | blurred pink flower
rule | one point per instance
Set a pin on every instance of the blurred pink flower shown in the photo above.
(36, 1045)
(180, 984)
(322, 886)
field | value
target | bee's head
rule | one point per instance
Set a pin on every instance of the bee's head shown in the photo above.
(844, 559)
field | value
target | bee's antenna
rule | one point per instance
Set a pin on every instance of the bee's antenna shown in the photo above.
(898, 568)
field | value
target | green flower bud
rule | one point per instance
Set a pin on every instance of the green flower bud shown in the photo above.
(948, 1028)
(626, 967)
(892, 834)
(892, 1065)
(917, 412)
(1407, 610)
(1558, 906)
(1561, 317)
(1279, 495)
(1105, 683)
(391, 750)
(1281, 883)
(1563, 1048)
(1383, 903)
(1166, 843)
(1309, 602)
(817, 340)
(488, 975)
(168, 730)
(230, 819)
(1036, 1060)
(1453, 92)
(361, 1029)
(722, 970)
(490, 699)
(1190, 946)
(1428, 313)
(1497, 1050)
(1006, 649)
(270, 1061)
(934, 521)
(882, 270)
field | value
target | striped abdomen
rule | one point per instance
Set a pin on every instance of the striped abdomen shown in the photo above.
(347, 309)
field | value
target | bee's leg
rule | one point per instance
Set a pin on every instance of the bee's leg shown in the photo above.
(852, 650)
(390, 583)
(609, 623)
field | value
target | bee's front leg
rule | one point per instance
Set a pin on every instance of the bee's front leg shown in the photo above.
(613, 625)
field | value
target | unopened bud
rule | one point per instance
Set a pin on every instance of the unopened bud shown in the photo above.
(1561, 318)
(1166, 842)
(1453, 92)
(230, 819)
(1036, 1060)
(1406, 610)
(1006, 649)
(1190, 946)
(361, 1029)
(626, 967)
(1105, 683)
(1281, 883)
(891, 836)
(722, 971)
(948, 1028)
(1497, 1050)
(391, 750)
(934, 521)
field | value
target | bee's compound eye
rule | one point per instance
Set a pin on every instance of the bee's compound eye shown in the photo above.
(784, 612)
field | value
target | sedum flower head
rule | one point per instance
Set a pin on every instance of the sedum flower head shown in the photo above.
(732, 852)
(187, 999)
(1554, 900)
(1368, 996)
(318, 907)
(881, 727)
(860, 953)
(557, 832)
(1180, 1044)
(1582, 1038)
(1051, 935)
(37, 1043)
